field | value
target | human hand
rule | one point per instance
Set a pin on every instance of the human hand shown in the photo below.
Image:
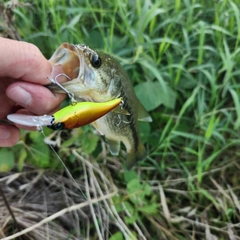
(23, 71)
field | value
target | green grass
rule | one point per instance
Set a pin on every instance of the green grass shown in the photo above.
(188, 188)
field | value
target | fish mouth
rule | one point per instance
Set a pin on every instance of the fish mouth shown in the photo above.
(74, 62)
(70, 59)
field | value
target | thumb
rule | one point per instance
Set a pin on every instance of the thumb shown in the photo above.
(22, 60)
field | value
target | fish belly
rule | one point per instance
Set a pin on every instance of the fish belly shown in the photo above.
(114, 134)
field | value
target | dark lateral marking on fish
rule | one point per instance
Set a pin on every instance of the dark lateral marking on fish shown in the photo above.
(131, 119)
(135, 135)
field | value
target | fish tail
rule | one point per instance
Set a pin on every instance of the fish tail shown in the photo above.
(136, 155)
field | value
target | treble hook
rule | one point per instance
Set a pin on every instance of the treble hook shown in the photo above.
(54, 81)
(120, 115)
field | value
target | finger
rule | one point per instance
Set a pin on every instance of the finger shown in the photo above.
(6, 103)
(21, 60)
(9, 135)
(35, 98)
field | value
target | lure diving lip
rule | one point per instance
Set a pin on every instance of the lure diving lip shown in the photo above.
(29, 120)
(72, 116)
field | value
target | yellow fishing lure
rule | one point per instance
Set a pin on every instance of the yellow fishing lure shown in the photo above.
(81, 113)
(72, 116)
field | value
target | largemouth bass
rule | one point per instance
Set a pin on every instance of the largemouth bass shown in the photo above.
(98, 77)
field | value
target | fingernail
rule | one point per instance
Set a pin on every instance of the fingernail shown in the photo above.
(4, 133)
(20, 96)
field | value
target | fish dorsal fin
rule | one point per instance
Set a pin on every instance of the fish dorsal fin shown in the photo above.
(142, 113)
(114, 146)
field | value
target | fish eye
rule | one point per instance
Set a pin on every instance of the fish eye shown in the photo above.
(96, 61)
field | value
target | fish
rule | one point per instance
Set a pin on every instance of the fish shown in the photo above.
(98, 77)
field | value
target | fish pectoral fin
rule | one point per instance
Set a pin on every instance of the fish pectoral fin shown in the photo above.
(143, 114)
(114, 146)
(122, 111)
(134, 156)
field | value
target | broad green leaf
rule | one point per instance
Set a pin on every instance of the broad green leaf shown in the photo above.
(134, 185)
(132, 212)
(145, 130)
(117, 203)
(36, 137)
(136, 191)
(72, 158)
(41, 154)
(152, 95)
(129, 207)
(130, 175)
(149, 208)
(131, 219)
(21, 159)
(147, 189)
(6, 160)
(189, 84)
(117, 236)
(89, 143)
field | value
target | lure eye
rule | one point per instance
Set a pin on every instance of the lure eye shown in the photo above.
(58, 126)
(96, 61)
